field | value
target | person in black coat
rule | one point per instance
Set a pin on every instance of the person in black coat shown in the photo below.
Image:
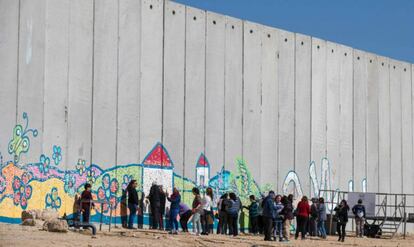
(155, 204)
(132, 202)
(341, 215)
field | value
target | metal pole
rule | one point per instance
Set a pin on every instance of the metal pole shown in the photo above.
(405, 215)
(100, 225)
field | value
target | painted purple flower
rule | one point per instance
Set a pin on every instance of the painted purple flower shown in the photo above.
(126, 179)
(22, 190)
(107, 192)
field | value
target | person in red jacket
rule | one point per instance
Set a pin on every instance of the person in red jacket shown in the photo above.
(302, 216)
(86, 203)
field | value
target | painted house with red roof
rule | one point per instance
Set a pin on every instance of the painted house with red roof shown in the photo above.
(158, 167)
(202, 171)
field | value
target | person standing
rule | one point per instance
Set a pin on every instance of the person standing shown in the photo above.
(287, 213)
(185, 214)
(278, 219)
(85, 199)
(155, 204)
(313, 221)
(342, 219)
(268, 206)
(175, 200)
(163, 201)
(132, 202)
(233, 214)
(322, 218)
(359, 212)
(197, 210)
(222, 212)
(207, 211)
(302, 216)
(253, 214)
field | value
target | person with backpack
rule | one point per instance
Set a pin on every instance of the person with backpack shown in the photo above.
(268, 213)
(359, 212)
(313, 221)
(302, 216)
(278, 219)
(253, 214)
(287, 213)
(322, 218)
(341, 215)
(233, 214)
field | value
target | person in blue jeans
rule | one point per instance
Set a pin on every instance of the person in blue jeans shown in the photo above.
(322, 218)
(132, 202)
(175, 200)
(278, 219)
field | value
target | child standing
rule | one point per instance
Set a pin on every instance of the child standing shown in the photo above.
(86, 204)
(196, 208)
(278, 219)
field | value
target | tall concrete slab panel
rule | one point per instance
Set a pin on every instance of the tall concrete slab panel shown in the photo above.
(345, 165)
(56, 80)
(406, 130)
(286, 98)
(194, 89)
(129, 76)
(269, 113)
(384, 120)
(215, 46)
(151, 74)
(318, 117)
(395, 169)
(233, 92)
(9, 62)
(252, 66)
(174, 79)
(360, 97)
(303, 60)
(372, 124)
(80, 82)
(105, 83)
(31, 76)
(333, 110)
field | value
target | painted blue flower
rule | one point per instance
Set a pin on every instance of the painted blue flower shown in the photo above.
(91, 176)
(107, 192)
(126, 179)
(57, 154)
(53, 200)
(44, 164)
(81, 166)
(70, 183)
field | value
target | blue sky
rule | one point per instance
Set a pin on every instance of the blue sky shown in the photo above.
(384, 27)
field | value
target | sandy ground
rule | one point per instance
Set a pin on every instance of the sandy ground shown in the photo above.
(17, 235)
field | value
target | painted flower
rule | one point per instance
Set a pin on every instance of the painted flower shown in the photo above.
(57, 154)
(53, 200)
(126, 180)
(44, 164)
(91, 176)
(81, 166)
(70, 183)
(22, 190)
(107, 192)
(2, 184)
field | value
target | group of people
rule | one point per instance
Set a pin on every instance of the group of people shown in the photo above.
(271, 216)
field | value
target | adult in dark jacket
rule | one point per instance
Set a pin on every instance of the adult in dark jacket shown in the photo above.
(175, 200)
(222, 208)
(233, 213)
(163, 201)
(287, 213)
(132, 202)
(302, 216)
(322, 217)
(342, 219)
(154, 198)
(253, 214)
(86, 198)
(268, 214)
(359, 213)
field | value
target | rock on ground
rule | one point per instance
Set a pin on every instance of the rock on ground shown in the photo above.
(29, 222)
(55, 225)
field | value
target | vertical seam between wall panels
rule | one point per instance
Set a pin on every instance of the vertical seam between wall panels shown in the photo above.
(353, 121)
(261, 103)
(67, 94)
(294, 102)
(242, 120)
(367, 108)
(93, 78)
(18, 64)
(45, 43)
(205, 82)
(139, 81)
(224, 95)
(401, 140)
(310, 115)
(185, 88)
(389, 124)
(378, 126)
(117, 98)
(163, 73)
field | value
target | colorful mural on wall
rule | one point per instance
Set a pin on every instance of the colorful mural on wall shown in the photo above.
(44, 184)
